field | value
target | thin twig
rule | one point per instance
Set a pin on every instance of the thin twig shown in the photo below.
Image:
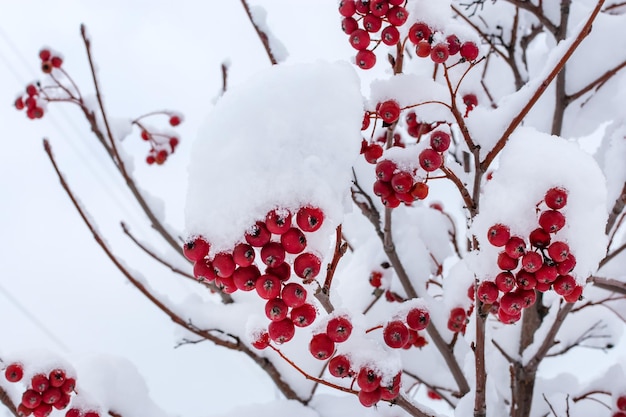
(260, 33)
(234, 344)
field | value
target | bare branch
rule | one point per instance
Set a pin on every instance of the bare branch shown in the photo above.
(595, 84)
(541, 88)
(262, 35)
(4, 399)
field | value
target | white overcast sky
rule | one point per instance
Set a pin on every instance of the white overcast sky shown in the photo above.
(57, 289)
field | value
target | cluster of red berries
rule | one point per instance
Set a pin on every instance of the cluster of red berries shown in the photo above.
(35, 106)
(404, 334)
(543, 263)
(274, 242)
(415, 128)
(430, 43)
(621, 406)
(394, 185)
(45, 392)
(49, 61)
(457, 321)
(369, 381)
(364, 18)
(161, 146)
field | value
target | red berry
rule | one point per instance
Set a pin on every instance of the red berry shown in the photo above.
(309, 219)
(51, 395)
(469, 51)
(565, 267)
(419, 31)
(347, 8)
(439, 53)
(454, 45)
(621, 403)
(498, 235)
(525, 280)
(243, 254)
(31, 399)
(57, 377)
(62, 402)
(272, 254)
(276, 309)
(532, 262)
(339, 366)
(44, 54)
(360, 39)
(556, 198)
(278, 221)
(564, 285)
(91, 414)
(376, 279)
(282, 271)
(349, 25)
(430, 160)
(539, 238)
(73, 412)
(307, 266)
(390, 35)
(40, 382)
(373, 152)
(19, 103)
(370, 398)
(294, 294)
(379, 8)
(261, 341)
(432, 395)
(23, 411)
(417, 319)
(391, 201)
(402, 182)
(175, 120)
(304, 315)
(506, 262)
(14, 372)
(203, 270)
(368, 380)
(56, 61)
(196, 249)
(440, 141)
(372, 23)
(385, 170)
(281, 331)
(321, 347)
(551, 221)
(365, 59)
(470, 101)
(420, 190)
(488, 292)
(507, 318)
(31, 90)
(223, 264)
(293, 241)
(389, 111)
(365, 123)
(547, 274)
(575, 295)
(558, 251)
(512, 303)
(258, 235)
(245, 278)
(226, 284)
(161, 157)
(145, 135)
(339, 329)
(397, 15)
(422, 49)
(267, 286)
(528, 297)
(515, 247)
(68, 386)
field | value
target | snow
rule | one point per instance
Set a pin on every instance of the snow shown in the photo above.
(532, 163)
(259, 16)
(286, 138)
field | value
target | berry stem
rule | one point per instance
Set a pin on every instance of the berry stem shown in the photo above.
(323, 294)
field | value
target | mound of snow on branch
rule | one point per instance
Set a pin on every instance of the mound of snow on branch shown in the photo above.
(286, 138)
